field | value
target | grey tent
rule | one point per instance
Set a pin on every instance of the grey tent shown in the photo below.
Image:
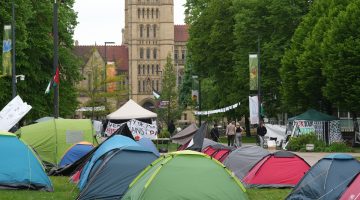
(185, 135)
(327, 179)
(208, 142)
(241, 160)
(197, 141)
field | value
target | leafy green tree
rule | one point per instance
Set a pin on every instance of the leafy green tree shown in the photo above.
(341, 55)
(34, 56)
(169, 93)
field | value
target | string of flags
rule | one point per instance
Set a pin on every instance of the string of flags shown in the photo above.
(221, 110)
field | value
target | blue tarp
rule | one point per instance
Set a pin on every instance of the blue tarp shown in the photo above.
(75, 153)
(114, 142)
(20, 168)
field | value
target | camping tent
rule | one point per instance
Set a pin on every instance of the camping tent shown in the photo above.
(353, 190)
(327, 179)
(242, 159)
(20, 168)
(218, 151)
(185, 175)
(208, 142)
(196, 143)
(131, 110)
(51, 139)
(146, 142)
(326, 127)
(113, 166)
(280, 169)
(185, 135)
(75, 152)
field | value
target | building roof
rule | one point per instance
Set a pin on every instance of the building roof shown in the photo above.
(181, 33)
(117, 54)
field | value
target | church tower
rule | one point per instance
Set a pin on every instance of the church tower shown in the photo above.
(149, 35)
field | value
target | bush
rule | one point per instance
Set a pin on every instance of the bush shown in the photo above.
(164, 133)
(299, 144)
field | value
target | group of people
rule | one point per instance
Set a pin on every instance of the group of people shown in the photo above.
(234, 133)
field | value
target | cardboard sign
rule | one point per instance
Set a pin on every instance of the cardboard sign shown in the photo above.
(141, 129)
(12, 113)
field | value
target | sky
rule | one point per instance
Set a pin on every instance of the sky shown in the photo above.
(101, 21)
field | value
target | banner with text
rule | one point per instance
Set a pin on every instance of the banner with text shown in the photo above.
(254, 109)
(12, 113)
(221, 110)
(141, 129)
(253, 69)
(111, 128)
(6, 54)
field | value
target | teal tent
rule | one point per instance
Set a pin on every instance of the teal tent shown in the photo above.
(20, 168)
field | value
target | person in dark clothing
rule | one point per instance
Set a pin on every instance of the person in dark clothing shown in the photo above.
(214, 133)
(261, 132)
(171, 127)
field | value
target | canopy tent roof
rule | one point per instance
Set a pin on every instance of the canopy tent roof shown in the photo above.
(131, 110)
(313, 115)
(185, 135)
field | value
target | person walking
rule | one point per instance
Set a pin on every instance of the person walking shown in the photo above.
(230, 133)
(261, 132)
(214, 133)
(171, 128)
(238, 135)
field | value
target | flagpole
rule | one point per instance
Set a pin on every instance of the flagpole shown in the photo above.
(56, 58)
(13, 51)
(259, 81)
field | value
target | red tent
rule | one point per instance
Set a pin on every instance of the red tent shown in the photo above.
(280, 169)
(218, 151)
(353, 190)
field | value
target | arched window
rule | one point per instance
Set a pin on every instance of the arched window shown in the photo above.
(139, 69)
(143, 12)
(155, 53)
(152, 13)
(139, 13)
(141, 53)
(157, 13)
(141, 30)
(154, 27)
(148, 53)
(152, 84)
(148, 69)
(144, 85)
(157, 85)
(143, 69)
(152, 69)
(157, 69)
(148, 30)
(148, 13)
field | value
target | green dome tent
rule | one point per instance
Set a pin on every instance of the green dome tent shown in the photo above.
(186, 175)
(51, 139)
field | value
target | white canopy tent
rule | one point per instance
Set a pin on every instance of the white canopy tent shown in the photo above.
(131, 110)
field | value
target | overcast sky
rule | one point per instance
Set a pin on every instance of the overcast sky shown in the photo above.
(102, 20)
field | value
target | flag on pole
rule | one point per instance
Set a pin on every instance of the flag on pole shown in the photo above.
(55, 81)
(6, 68)
(156, 94)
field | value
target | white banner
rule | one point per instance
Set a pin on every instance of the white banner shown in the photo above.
(221, 110)
(12, 113)
(141, 129)
(254, 110)
(111, 128)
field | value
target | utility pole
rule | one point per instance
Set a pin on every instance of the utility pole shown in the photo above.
(13, 83)
(259, 81)
(56, 58)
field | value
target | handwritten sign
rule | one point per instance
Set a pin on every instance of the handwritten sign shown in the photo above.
(12, 113)
(111, 128)
(141, 129)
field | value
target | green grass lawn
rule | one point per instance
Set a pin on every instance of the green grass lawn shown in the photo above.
(65, 190)
(244, 139)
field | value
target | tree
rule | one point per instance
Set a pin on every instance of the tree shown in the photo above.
(169, 93)
(34, 53)
(341, 55)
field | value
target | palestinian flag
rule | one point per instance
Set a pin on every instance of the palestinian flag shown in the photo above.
(55, 81)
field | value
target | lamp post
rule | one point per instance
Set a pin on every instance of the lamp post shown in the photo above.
(13, 51)
(106, 64)
(199, 81)
(56, 58)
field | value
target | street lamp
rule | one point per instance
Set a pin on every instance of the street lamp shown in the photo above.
(13, 50)
(106, 64)
(199, 81)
